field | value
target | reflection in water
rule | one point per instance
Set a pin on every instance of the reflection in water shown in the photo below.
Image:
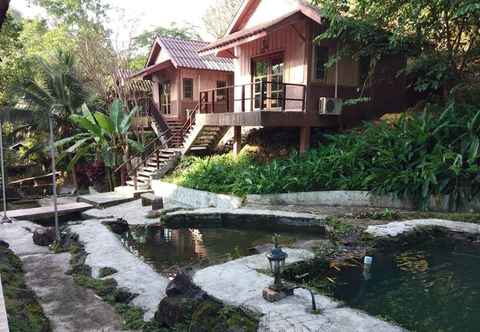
(426, 289)
(167, 249)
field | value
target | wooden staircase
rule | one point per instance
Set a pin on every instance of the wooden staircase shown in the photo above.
(174, 139)
(176, 132)
(161, 162)
(203, 138)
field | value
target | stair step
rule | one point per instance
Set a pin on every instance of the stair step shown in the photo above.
(144, 174)
(154, 164)
(139, 185)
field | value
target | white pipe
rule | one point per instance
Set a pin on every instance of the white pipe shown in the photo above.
(5, 219)
(54, 175)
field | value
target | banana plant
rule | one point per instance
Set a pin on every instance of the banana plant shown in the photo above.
(103, 136)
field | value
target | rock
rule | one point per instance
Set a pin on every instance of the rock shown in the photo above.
(174, 310)
(123, 295)
(106, 271)
(186, 302)
(44, 236)
(154, 214)
(183, 285)
(147, 199)
(4, 244)
(118, 226)
(157, 203)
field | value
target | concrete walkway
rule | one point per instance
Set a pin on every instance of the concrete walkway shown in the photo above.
(239, 283)
(133, 212)
(68, 306)
(45, 212)
(103, 200)
(397, 228)
(106, 250)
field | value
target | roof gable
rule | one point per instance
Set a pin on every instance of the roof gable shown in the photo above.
(256, 12)
(184, 53)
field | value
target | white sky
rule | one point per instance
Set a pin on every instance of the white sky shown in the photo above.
(133, 16)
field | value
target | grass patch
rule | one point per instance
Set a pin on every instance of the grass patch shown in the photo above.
(417, 156)
(23, 311)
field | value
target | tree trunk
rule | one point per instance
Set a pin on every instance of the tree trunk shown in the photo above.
(3, 11)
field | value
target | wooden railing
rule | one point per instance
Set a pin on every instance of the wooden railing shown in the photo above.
(131, 166)
(190, 120)
(210, 100)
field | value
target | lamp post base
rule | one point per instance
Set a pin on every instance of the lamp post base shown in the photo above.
(275, 295)
(5, 220)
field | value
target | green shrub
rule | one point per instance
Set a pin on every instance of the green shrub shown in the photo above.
(422, 154)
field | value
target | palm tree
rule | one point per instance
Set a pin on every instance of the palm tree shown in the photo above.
(57, 89)
(103, 136)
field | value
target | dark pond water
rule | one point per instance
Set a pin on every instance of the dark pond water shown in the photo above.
(167, 249)
(426, 289)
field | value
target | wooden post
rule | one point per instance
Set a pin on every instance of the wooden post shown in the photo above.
(227, 96)
(284, 97)
(158, 158)
(201, 101)
(213, 101)
(304, 97)
(304, 139)
(243, 98)
(262, 95)
(237, 140)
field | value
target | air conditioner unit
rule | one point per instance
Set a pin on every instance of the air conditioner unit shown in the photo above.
(330, 105)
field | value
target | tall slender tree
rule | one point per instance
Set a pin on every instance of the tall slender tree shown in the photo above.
(219, 16)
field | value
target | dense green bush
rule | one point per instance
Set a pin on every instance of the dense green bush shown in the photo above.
(421, 154)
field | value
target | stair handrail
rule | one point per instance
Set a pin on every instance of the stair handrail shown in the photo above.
(134, 171)
(158, 149)
(190, 120)
(142, 155)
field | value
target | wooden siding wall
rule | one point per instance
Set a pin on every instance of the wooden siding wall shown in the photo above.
(202, 80)
(170, 75)
(286, 41)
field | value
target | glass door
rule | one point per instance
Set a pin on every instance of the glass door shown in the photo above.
(268, 78)
(165, 98)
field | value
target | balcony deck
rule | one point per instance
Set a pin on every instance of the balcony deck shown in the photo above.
(267, 118)
(261, 104)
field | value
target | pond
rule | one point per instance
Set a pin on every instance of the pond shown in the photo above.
(425, 289)
(167, 249)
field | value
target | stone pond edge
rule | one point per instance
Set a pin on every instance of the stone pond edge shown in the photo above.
(198, 199)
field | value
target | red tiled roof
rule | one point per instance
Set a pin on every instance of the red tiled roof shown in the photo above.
(184, 53)
(147, 71)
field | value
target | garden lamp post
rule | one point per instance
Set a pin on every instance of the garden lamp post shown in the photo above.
(276, 259)
(5, 219)
(54, 172)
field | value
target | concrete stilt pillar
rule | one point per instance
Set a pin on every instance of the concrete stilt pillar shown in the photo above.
(237, 140)
(304, 139)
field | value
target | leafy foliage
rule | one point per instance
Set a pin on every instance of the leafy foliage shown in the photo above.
(56, 89)
(219, 15)
(428, 153)
(440, 37)
(104, 136)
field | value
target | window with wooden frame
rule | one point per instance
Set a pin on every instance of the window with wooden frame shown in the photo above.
(221, 92)
(165, 98)
(188, 88)
(320, 59)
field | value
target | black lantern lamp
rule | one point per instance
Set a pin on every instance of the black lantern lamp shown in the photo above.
(276, 259)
